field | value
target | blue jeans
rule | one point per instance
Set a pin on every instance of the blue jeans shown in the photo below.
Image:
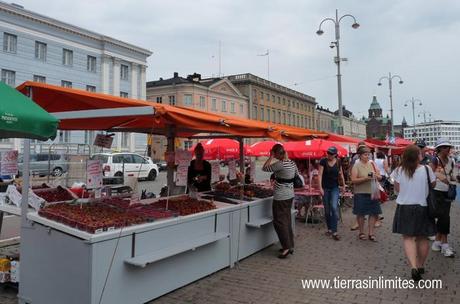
(331, 208)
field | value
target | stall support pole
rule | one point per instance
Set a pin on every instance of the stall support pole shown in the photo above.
(25, 182)
(240, 140)
(173, 190)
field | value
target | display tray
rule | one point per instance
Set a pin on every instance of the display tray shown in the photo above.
(230, 195)
(220, 199)
(117, 232)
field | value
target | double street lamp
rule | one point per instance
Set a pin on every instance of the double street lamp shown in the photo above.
(425, 113)
(337, 59)
(390, 85)
(413, 101)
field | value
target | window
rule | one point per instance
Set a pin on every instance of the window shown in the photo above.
(172, 100)
(91, 64)
(279, 100)
(273, 98)
(188, 99)
(289, 119)
(279, 117)
(9, 77)
(284, 102)
(284, 118)
(202, 102)
(10, 42)
(124, 72)
(224, 106)
(254, 112)
(159, 99)
(241, 108)
(262, 114)
(67, 57)
(261, 95)
(66, 84)
(40, 50)
(273, 116)
(188, 144)
(214, 104)
(232, 107)
(38, 78)
(268, 115)
(138, 159)
(124, 94)
(125, 143)
(90, 88)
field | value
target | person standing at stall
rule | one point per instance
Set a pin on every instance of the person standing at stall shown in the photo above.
(199, 171)
(443, 167)
(362, 176)
(284, 170)
(411, 216)
(330, 172)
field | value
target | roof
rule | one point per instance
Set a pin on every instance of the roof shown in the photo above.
(19, 10)
(181, 80)
(181, 122)
(375, 104)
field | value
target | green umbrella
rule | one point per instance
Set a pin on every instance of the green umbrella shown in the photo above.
(20, 117)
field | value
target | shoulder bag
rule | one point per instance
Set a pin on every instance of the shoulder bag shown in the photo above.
(431, 200)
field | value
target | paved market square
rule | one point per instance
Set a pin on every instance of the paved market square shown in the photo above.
(262, 278)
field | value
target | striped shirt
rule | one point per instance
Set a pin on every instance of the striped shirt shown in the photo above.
(285, 169)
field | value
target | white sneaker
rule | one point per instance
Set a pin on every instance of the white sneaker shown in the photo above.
(436, 246)
(448, 252)
(432, 238)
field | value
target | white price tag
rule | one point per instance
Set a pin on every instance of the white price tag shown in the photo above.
(215, 171)
(13, 195)
(232, 169)
(181, 175)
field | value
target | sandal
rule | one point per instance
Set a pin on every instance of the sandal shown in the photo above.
(362, 236)
(372, 238)
(336, 237)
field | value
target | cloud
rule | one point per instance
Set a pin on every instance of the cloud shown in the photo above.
(417, 40)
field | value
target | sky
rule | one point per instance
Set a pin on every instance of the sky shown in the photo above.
(417, 40)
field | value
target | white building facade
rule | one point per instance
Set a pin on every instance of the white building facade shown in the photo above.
(431, 131)
(42, 49)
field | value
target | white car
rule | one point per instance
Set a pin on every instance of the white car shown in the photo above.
(131, 164)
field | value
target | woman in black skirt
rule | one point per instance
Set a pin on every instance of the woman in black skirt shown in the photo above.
(411, 216)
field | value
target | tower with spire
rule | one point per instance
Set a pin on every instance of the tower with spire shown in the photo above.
(377, 125)
(375, 110)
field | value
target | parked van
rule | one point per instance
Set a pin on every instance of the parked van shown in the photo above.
(46, 164)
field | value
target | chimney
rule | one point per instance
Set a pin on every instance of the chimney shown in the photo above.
(176, 74)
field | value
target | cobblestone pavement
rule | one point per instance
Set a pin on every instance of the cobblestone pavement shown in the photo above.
(262, 278)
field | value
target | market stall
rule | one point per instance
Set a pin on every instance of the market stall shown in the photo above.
(137, 261)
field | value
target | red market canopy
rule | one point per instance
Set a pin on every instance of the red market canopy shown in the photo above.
(316, 148)
(183, 122)
(220, 148)
(261, 148)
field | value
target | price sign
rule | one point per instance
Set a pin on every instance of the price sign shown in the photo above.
(215, 171)
(232, 169)
(9, 165)
(93, 174)
(252, 172)
(103, 140)
(181, 175)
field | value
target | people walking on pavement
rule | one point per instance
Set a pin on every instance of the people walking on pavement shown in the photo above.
(382, 165)
(362, 176)
(443, 166)
(330, 177)
(284, 170)
(425, 157)
(412, 181)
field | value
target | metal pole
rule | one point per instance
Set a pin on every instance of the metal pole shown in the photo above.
(391, 104)
(413, 115)
(25, 182)
(339, 75)
(268, 64)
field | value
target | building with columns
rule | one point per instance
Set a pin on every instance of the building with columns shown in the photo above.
(327, 121)
(43, 49)
(214, 95)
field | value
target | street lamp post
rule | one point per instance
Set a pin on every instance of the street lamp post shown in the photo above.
(424, 113)
(337, 59)
(390, 85)
(413, 101)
